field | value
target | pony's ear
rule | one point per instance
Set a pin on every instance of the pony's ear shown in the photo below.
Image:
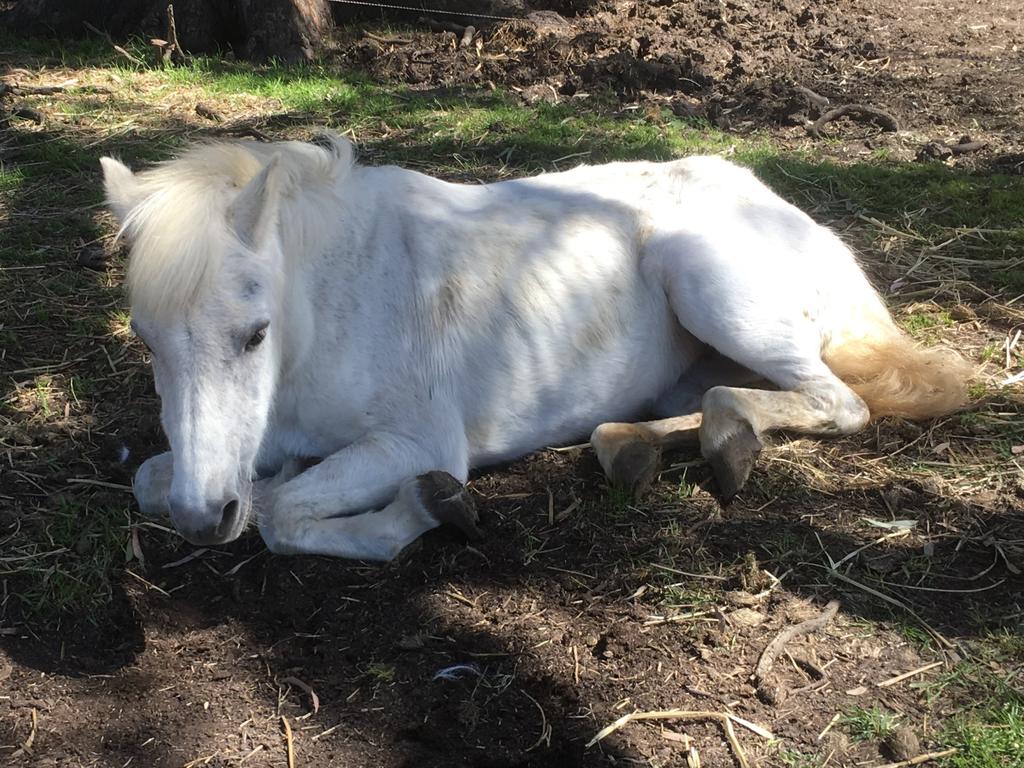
(253, 214)
(121, 186)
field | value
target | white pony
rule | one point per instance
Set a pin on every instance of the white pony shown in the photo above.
(402, 330)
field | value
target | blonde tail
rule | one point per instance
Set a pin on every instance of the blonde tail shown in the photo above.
(896, 377)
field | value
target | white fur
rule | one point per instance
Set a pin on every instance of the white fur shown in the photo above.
(418, 325)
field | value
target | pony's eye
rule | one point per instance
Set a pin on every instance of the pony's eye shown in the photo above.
(256, 339)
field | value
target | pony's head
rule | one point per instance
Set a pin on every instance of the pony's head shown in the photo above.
(206, 280)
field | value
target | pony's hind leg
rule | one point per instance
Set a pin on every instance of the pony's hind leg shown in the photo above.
(728, 431)
(630, 454)
(735, 419)
(757, 301)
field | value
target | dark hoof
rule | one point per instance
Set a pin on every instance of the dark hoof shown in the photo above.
(734, 460)
(635, 466)
(448, 501)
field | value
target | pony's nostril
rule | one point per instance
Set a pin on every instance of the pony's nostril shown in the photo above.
(229, 514)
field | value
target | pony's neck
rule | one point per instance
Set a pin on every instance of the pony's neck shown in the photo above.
(313, 223)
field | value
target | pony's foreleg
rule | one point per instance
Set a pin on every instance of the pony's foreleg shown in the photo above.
(152, 485)
(318, 511)
(367, 474)
(422, 504)
(630, 454)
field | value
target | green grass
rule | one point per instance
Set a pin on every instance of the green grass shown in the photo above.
(919, 323)
(84, 546)
(872, 724)
(380, 673)
(992, 738)
(794, 759)
(988, 729)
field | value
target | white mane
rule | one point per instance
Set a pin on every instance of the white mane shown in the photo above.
(179, 226)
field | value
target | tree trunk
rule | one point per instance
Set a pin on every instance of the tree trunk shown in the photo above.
(289, 30)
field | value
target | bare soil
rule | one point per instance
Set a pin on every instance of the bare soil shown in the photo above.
(578, 607)
(942, 69)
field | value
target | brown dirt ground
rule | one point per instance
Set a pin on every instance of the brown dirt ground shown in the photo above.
(943, 69)
(577, 607)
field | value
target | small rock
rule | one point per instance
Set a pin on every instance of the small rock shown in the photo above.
(934, 150)
(902, 744)
(836, 742)
(92, 257)
(411, 642)
(209, 113)
(747, 617)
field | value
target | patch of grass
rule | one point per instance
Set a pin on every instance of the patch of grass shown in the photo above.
(379, 672)
(616, 502)
(872, 724)
(689, 597)
(1006, 644)
(309, 88)
(988, 726)
(993, 738)
(79, 547)
(11, 177)
(916, 634)
(43, 395)
(932, 225)
(1011, 279)
(794, 759)
(990, 351)
(919, 322)
(685, 489)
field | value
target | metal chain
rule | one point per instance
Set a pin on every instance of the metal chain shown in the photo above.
(430, 10)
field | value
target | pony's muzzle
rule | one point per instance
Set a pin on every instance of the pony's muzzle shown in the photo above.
(220, 522)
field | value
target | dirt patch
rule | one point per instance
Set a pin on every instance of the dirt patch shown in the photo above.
(942, 69)
(517, 652)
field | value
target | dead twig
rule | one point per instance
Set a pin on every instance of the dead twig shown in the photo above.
(911, 673)
(966, 145)
(726, 721)
(816, 100)
(898, 603)
(28, 114)
(388, 40)
(168, 51)
(767, 661)
(887, 121)
(545, 726)
(242, 128)
(289, 744)
(209, 113)
(177, 55)
(442, 26)
(48, 90)
(26, 747)
(106, 35)
(835, 719)
(921, 759)
(314, 699)
(133, 59)
(939, 150)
